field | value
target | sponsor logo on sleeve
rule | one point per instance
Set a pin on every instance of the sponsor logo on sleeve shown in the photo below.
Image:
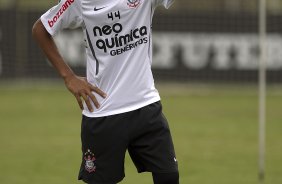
(61, 11)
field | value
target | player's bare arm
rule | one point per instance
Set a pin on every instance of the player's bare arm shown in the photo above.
(78, 86)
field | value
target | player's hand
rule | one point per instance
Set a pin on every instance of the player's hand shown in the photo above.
(82, 90)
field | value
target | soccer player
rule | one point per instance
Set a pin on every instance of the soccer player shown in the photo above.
(120, 105)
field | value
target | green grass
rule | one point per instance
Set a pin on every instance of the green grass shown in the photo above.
(214, 129)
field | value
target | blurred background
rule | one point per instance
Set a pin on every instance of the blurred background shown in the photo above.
(206, 57)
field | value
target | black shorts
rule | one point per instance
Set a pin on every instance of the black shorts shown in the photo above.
(143, 132)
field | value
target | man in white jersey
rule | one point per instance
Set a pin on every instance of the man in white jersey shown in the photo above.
(120, 105)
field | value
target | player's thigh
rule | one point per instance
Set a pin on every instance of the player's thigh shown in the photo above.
(152, 148)
(166, 178)
(103, 149)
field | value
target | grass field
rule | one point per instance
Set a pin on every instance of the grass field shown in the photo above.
(214, 130)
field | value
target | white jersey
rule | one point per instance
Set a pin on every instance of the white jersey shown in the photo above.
(119, 48)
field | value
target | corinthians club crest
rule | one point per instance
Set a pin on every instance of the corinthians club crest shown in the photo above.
(89, 161)
(133, 3)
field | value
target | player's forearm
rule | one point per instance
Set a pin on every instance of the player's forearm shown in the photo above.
(47, 44)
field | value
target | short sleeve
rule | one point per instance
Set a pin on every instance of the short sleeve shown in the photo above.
(165, 3)
(66, 14)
